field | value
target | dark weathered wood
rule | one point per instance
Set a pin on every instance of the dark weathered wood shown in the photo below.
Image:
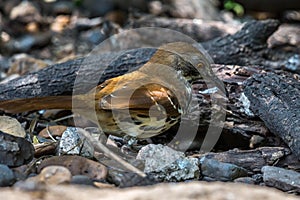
(252, 160)
(241, 48)
(276, 100)
(246, 47)
(59, 79)
(238, 127)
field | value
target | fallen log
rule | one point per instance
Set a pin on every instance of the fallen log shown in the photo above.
(275, 99)
(243, 48)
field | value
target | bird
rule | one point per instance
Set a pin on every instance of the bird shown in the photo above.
(141, 104)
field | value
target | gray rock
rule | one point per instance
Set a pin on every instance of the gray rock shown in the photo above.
(221, 171)
(293, 63)
(7, 176)
(158, 156)
(26, 42)
(82, 180)
(282, 179)
(200, 9)
(166, 164)
(25, 12)
(73, 142)
(181, 169)
(15, 151)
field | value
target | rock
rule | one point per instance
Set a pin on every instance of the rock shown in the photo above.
(50, 175)
(55, 131)
(279, 38)
(8, 6)
(83, 23)
(293, 63)
(60, 23)
(216, 170)
(73, 142)
(158, 156)
(77, 166)
(7, 177)
(30, 184)
(124, 179)
(23, 63)
(55, 175)
(25, 12)
(15, 151)
(94, 36)
(167, 164)
(275, 100)
(200, 9)
(282, 179)
(82, 180)
(181, 169)
(155, 7)
(258, 178)
(11, 126)
(4, 63)
(26, 42)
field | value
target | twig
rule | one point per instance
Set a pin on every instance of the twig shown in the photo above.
(102, 148)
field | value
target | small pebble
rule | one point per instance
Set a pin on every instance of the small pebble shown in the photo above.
(221, 171)
(94, 36)
(54, 175)
(293, 63)
(82, 180)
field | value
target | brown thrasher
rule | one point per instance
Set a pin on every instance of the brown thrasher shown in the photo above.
(143, 103)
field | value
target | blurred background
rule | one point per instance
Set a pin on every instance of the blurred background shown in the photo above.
(35, 33)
